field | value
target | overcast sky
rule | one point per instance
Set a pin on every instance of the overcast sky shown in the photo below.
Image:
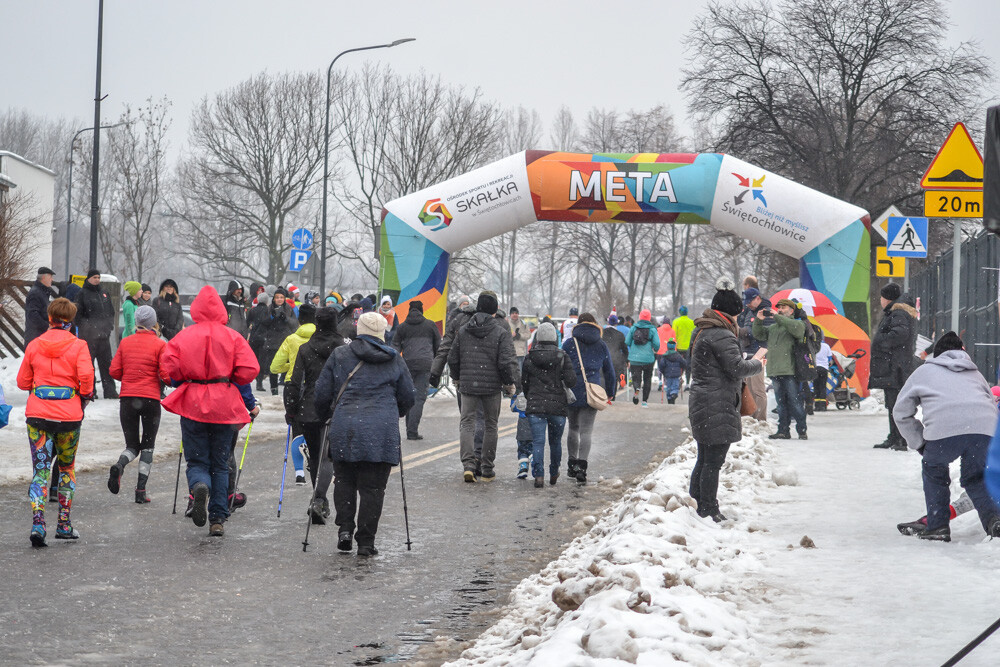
(540, 54)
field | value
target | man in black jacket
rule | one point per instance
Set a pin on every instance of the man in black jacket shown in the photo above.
(36, 304)
(417, 339)
(893, 347)
(753, 303)
(482, 364)
(95, 319)
(236, 308)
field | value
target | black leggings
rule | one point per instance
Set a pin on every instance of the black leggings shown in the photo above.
(642, 375)
(705, 477)
(131, 412)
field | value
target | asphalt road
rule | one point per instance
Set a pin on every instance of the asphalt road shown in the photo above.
(145, 586)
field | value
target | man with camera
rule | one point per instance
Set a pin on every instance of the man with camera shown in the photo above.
(753, 303)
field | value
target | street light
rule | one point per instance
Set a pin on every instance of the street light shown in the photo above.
(326, 150)
(69, 189)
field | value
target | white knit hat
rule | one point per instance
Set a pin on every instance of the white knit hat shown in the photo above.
(372, 324)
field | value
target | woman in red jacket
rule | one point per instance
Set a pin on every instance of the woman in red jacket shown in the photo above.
(137, 366)
(58, 373)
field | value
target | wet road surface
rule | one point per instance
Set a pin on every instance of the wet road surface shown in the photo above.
(145, 586)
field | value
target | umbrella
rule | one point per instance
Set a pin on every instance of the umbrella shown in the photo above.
(814, 303)
(844, 336)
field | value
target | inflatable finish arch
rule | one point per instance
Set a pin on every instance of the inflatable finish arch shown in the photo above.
(419, 231)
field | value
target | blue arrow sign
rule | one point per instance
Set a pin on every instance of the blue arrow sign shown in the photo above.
(907, 237)
(299, 259)
(302, 239)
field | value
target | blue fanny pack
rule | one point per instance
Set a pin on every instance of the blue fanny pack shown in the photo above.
(48, 393)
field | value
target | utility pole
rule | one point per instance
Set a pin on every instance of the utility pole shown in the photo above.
(95, 212)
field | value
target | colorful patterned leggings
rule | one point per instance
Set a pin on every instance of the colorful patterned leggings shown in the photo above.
(44, 447)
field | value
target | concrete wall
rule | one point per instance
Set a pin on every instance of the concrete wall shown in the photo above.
(38, 184)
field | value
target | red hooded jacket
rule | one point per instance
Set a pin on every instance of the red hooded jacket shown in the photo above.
(57, 358)
(137, 364)
(209, 350)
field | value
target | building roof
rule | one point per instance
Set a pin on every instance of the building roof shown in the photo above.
(26, 161)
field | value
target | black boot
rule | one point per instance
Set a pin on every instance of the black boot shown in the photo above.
(581, 471)
(573, 467)
(942, 534)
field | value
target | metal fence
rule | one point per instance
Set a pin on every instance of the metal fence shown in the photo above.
(979, 317)
(12, 296)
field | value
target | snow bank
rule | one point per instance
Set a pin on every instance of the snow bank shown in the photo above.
(651, 583)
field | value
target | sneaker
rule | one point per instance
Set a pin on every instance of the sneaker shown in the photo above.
(300, 480)
(190, 507)
(199, 511)
(238, 500)
(344, 541)
(644, 404)
(316, 512)
(635, 400)
(487, 477)
(67, 532)
(912, 527)
(539, 482)
(141, 497)
(553, 478)
(470, 476)
(803, 436)
(779, 436)
(217, 530)
(37, 536)
(114, 479)
(942, 534)
(522, 469)
(365, 551)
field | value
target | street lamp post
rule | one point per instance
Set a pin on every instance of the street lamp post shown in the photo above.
(95, 173)
(69, 189)
(326, 151)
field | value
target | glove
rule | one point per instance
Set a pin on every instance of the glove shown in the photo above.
(434, 380)
(509, 390)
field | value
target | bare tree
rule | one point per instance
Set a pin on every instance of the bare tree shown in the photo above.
(255, 153)
(17, 225)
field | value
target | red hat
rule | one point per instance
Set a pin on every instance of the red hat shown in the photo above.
(644, 314)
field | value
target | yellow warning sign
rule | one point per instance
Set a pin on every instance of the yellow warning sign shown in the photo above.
(888, 267)
(958, 164)
(77, 280)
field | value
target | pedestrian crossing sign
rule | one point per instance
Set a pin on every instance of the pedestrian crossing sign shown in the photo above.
(907, 237)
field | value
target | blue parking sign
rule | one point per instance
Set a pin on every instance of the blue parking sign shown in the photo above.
(298, 259)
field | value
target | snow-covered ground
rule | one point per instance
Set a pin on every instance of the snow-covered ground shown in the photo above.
(810, 569)
(101, 439)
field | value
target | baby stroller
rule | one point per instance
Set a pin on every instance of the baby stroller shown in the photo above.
(841, 371)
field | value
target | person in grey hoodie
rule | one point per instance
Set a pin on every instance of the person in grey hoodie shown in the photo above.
(959, 418)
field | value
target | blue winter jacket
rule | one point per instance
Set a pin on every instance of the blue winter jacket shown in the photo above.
(596, 361)
(365, 424)
(642, 354)
(672, 364)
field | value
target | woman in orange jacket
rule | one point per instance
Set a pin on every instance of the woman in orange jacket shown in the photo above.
(59, 374)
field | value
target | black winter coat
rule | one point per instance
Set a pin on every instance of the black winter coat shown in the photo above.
(95, 314)
(596, 361)
(482, 358)
(236, 309)
(365, 424)
(615, 340)
(744, 321)
(458, 319)
(277, 325)
(256, 318)
(545, 376)
(417, 339)
(169, 315)
(893, 345)
(300, 388)
(36, 311)
(717, 372)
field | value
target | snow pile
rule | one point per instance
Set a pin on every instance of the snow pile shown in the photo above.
(874, 404)
(651, 583)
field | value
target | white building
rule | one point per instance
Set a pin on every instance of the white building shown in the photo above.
(22, 178)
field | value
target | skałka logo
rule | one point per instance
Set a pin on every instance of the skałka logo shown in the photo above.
(757, 186)
(435, 215)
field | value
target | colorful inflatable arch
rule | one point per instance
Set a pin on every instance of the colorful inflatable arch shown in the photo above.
(419, 231)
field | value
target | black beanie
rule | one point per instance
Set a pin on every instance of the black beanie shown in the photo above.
(326, 319)
(487, 303)
(726, 300)
(92, 273)
(891, 292)
(947, 341)
(307, 313)
(417, 305)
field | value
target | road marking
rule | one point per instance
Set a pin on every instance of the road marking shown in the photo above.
(449, 447)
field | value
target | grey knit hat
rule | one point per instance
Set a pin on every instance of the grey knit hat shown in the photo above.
(546, 333)
(145, 317)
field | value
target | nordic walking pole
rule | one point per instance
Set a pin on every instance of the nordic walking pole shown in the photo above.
(239, 471)
(177, 485)
(402, 484)
(312, 501)
(284, 469)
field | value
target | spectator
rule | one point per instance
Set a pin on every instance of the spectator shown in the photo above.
(146, 298)
(95, 318)
(133, 290)
(417, 339)
(753, 303)
(779, 339)
(36, 304)
(893, 347)
(521, 333)
(277, 325)
(169, 313)
(643, 342)
(236, 308)
(257, 320)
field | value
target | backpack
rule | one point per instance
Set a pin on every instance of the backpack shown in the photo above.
(804, 354)
(640, 336)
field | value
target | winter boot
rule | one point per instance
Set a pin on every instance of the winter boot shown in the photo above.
(581, 471)
(671, 401)
(367, 550)
(199, 513)
(553, 478)
(114, 479)
(942, 534)
(145, 463)
(470, 476)
(344, 541)
(780, 436)
(37, 536)
(141, 497)
(539, 482)
(573, 468)
(522, 469)
(316, 512)
(912, 527)
(217, 530)
(885, 444)
(899, 446)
